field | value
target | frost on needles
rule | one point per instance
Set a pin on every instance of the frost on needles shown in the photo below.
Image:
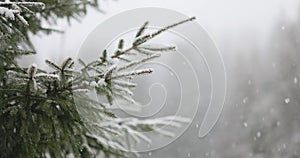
(49, 113)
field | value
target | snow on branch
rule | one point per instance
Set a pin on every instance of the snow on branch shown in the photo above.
(135, 63)
(133, 73)
(12, 10)
(37, 4)
(132, 126)
(8, 13)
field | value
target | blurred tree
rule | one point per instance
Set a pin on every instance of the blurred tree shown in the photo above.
(272, 97)
(262, 113)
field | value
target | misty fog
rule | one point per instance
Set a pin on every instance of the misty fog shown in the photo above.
(259, 43)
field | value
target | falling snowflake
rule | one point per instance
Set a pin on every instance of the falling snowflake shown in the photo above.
(245, 124)
(249, 82)
(278, 123)
(189, 155)
(207, 154)
(284, 146)
(258, 134)
(287, 100)
(245, 100)
(295, 80)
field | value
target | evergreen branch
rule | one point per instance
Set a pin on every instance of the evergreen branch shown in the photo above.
(171, 48)
(66, 63)
(51, 64)
(19, 51)
(142, 29)
(32, 71)
(148, 37)
(124, 83)
(41, 106)
(39, 4)
(108, 73)
(133, 73)
(134, 63)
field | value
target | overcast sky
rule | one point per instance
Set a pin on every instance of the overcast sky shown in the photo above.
(218, 14)
(223, 19)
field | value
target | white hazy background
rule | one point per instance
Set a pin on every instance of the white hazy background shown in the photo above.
(227, 21)
(260, 43)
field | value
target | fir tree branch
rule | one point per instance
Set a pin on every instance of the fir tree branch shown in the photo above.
(148, 37)
(38, 109)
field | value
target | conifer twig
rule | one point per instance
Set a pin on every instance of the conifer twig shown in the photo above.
(146, 38)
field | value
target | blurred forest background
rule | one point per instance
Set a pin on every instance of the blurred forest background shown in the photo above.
(260, 44)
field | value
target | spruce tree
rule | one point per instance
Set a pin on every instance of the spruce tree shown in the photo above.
(38, 113)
